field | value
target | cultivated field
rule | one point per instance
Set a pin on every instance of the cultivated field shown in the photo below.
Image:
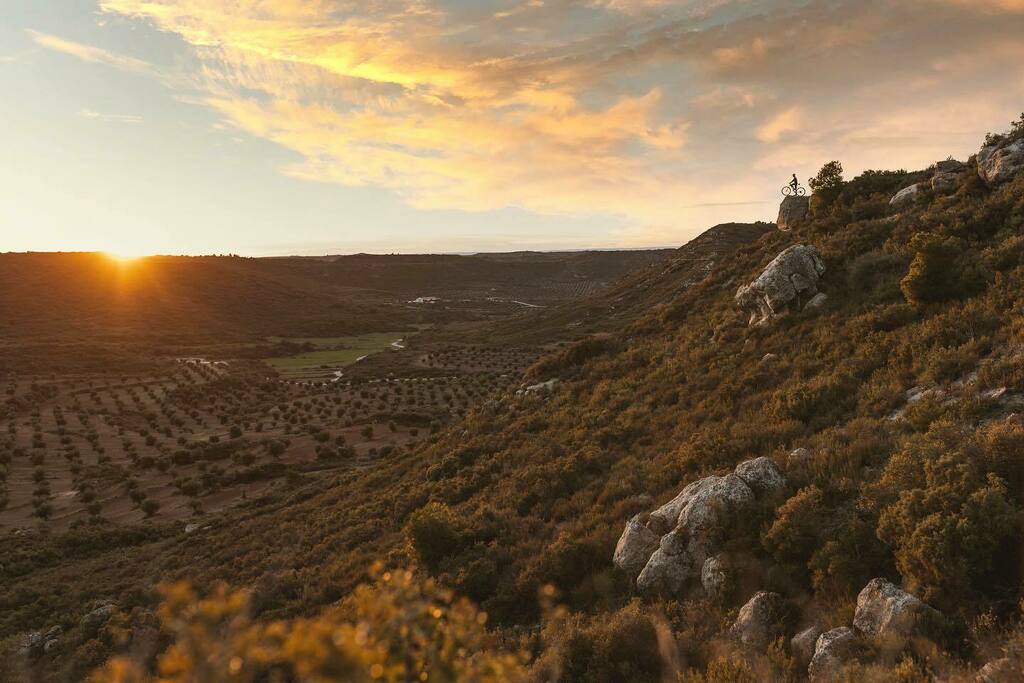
(202, 434)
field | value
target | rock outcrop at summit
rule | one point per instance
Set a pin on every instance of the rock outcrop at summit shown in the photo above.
(792, 210)
(674, 544)
(788, 282)
(999, 161)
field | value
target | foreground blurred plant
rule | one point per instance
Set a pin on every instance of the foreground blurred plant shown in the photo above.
(397, 629)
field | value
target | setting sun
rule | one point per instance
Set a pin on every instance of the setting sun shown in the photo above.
(123, 256)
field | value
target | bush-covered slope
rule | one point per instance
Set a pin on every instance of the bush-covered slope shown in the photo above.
(902, 389)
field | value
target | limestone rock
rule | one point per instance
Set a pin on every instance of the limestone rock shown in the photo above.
(32, 645)
(888, 616)
(792, 211)
(798, 456)
(666, 572)
(817, 302)
(1001, 161)
(714, 577)
(94, 619)
(761, 620)
(945, 183)
(906, 196)
(635, 547)
(833, 650)
(803, 643)
(697, 519)
(711, 508)
(761, 475)
(790, 278)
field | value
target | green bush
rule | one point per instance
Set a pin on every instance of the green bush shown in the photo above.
(433, 534)
(941, 269)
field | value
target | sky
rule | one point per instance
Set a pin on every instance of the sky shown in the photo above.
(265, 127)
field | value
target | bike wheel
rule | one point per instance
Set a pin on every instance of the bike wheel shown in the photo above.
(801, 192)
(787, 190)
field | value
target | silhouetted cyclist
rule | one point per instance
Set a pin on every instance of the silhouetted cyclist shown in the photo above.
(794, 183)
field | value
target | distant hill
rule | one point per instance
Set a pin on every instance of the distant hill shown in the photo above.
(89, 296)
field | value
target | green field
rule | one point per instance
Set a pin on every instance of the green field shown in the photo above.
(331, 354)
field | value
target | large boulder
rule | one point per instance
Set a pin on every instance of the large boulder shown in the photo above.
(669, 568)
(675, 543)
(792, 211)
(906, 196)
(803, 643)
(635, 547)
(761, 620)
(761, 475)
(944, 183)
(832, 652)
(1000, 161)
(889, 617)
(790, 279)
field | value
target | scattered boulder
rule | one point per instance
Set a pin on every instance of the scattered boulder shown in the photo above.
(889, 617)
(791, 278)
(706, 516)
(769, 357)
(31, 645)
(798, 456)
(1001, 161)
(832, 652)
(761, 475)
(945, 183)
(674, 544)
(792, 210)
(547, 387)
(905, 196)
(803, 643)
(715, 577)
(92, 620)
(635, 547)
(761, 620)
(668, 569)
(817, 302)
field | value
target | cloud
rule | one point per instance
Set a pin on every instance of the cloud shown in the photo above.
(89, 53)
(643, 109)
(787, 121)
(110, 118)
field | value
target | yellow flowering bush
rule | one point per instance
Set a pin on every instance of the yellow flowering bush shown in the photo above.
(397, 629)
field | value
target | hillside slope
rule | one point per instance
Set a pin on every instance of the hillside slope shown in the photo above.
(901, 389)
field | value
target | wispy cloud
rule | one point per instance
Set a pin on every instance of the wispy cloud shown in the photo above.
(110, 118)
(89, 53)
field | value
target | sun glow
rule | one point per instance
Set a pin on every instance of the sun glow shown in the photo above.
(124, 257)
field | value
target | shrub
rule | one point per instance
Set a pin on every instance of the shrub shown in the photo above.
(793, 537)
(828, 183)
(433, 534)
(398, 629)
(950, 518)
(942, 269)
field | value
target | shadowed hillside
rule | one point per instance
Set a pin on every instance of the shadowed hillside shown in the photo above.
(803, 460)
